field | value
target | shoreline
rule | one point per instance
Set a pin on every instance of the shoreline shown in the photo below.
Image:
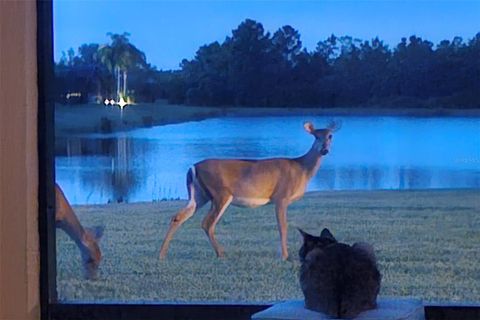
(308, 194)
(94, 118)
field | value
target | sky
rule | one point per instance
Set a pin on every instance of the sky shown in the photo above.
(169, 31)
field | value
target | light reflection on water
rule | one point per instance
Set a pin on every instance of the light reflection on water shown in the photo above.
(367, 153)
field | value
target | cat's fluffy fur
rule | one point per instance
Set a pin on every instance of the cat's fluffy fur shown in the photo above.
(338, 279)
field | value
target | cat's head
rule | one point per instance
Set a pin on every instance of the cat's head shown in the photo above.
(311, 242)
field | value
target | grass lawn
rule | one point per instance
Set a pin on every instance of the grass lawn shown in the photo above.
(427, 243)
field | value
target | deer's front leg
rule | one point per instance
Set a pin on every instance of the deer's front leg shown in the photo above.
(281, 212)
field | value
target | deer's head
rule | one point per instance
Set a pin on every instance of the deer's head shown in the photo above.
(323, 137)
(91, 254)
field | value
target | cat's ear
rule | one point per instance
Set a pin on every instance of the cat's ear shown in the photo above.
(305, 235)
(327, 234)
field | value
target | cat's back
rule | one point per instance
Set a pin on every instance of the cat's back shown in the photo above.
(339, 280)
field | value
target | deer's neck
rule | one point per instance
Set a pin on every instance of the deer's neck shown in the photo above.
(310, 161)
(74, 229)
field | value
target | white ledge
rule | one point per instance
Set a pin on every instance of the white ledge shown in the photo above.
(387, 309)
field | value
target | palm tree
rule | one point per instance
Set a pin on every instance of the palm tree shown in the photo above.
(118, 57)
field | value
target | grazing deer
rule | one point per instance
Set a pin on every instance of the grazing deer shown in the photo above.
(250, 183)
(86, 239)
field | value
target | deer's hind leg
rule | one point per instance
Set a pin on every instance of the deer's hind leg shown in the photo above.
(197, 198)
(219, 205)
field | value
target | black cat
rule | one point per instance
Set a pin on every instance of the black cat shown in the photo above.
(338, 279)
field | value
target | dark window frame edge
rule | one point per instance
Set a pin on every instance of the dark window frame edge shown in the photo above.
(46, 166)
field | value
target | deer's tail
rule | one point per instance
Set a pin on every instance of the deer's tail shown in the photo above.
(197, 190)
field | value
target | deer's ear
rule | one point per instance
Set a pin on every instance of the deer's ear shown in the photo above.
(96, 232)
(309, 127)
(334, 126)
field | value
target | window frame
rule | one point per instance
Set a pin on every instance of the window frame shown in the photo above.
(49, 305)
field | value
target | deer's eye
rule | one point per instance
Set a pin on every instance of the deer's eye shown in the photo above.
(330, 137)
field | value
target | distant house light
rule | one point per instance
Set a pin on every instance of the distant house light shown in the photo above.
(122, 103)
(73, 94)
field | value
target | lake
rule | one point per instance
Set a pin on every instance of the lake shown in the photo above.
(368, 153)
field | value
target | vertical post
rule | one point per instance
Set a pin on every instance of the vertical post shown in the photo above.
(117, 71)
(46, 137)
(124, 84)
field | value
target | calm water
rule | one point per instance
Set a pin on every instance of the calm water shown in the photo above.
(367, 153)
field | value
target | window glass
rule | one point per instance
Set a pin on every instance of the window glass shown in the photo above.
(146, 91)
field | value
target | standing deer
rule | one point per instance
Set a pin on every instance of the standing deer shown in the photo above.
(86, 239)
(250, 183)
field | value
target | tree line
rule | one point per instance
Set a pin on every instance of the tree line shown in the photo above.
(252, 67)
(100, 72)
